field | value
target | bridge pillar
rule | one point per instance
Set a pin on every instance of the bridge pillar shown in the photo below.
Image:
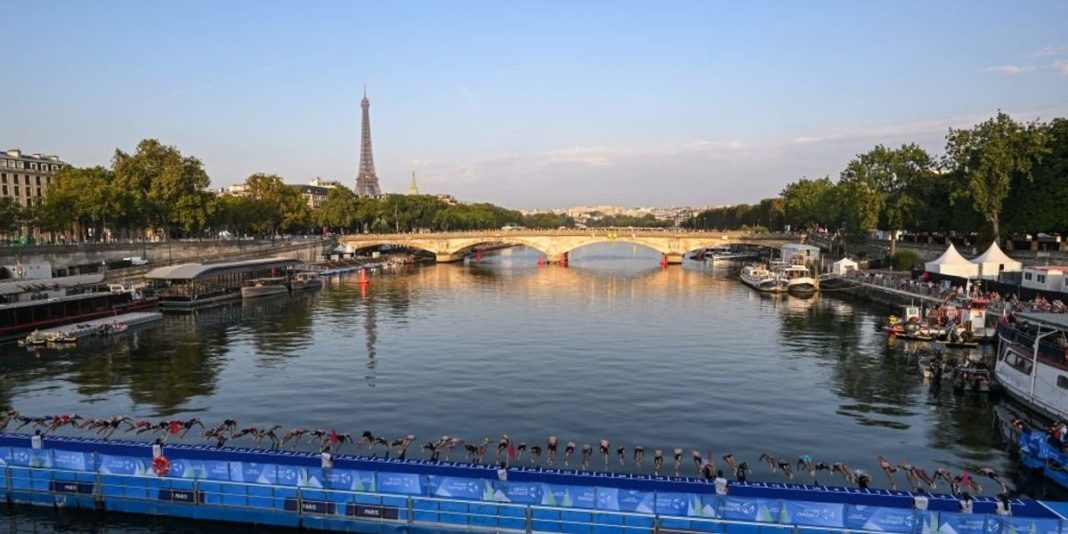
(445, 257)
(673, 258)
(557, 258)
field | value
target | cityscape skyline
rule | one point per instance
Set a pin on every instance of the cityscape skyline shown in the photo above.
(533, 107)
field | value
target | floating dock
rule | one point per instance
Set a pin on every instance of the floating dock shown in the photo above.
(411, 496)
(89, 328)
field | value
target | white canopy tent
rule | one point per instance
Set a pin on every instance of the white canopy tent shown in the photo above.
(843, 266)
(994, 261)
(951, 263)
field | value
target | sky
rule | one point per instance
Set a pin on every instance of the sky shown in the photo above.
(526, 104)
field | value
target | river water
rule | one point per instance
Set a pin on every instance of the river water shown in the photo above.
(610, 347)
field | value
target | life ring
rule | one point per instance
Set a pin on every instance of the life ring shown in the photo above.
(161, 465)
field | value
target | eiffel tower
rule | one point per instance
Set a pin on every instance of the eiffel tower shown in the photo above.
(366, 179)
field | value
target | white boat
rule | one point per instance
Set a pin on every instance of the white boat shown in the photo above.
(799, 281)
(761, 278)
(262, 287)
(1032, 364)
(306, 280)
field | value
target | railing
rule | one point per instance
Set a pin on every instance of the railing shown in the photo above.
(328, 508)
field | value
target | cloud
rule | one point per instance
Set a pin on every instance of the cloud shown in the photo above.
(890, 131)
(1051, 51)
(595, 156)
(1060, 67)
(1010, 69)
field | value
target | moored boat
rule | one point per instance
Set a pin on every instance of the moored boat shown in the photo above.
(799, 280)
(306, 280)
(262, 287)
(761, 278)
(1032, 362)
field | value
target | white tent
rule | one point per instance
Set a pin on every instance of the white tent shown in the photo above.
(951, 263)
(345, 249)
(843, 266)
(994, 261)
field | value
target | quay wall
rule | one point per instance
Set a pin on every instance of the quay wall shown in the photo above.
(85, 257)
(890, 297)
(377, 495)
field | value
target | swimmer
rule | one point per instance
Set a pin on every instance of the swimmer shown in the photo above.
(402, 447)
(94, 424)
(137, 425)
(925, 478)
(621, 454)
(639, 454)
(605, 448)
(729, 460)
(587, 453)
(7, 417)
(248, 431)
(58, 421)
(699, 462)
(452, 444)
(569, 449)
(805, 462)
(550, 446)
(295, 436)
(266, 433)
(113, 425)
(341, 440)
(862, 478)
(502, 445)
(433, 448)
(965, 481)
(944, 474)
(678, 460)
(993, 475)
(889, 469)
(772, 464)
(787, 469)
(910, 474)
(230, 425)
(535, 454)
(218, 435)
(658, 461)
(367, 438)
(188, 425)
(843, 469)
(742, 473)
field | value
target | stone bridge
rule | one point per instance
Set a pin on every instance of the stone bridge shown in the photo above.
(556, 244)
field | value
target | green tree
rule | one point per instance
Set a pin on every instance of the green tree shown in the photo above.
(989, 156)
(1039, 204)
(808, 203)
(339, 210)
(276, 207)
(858, 203)
(11, 215)
(161, 188)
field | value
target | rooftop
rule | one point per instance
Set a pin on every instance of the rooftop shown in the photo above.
(14, 287)
(190, 271)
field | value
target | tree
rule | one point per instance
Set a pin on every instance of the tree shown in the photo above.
(890, 175)
(1038, 205)
(276, 207)
(84, 198)
(809, 203)
(11, 214)
(338, 211)
(989, 156)
(858, 203)
(161, 188)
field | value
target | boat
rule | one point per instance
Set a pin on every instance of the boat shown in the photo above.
(67, 301)
(760, 278)
(799, 280)
(192, 285)
(111, 329)
(1032, 361)
(36, 338)
(62, 337)
(306, 280)
(262, 287)
(975, 378)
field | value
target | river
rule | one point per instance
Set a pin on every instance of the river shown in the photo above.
(610, 347)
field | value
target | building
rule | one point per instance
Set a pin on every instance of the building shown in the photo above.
(1046, 278)
(803, 254)
(26, 178)
(329, 184)
(413, 189)
(366, 179)
(314, 195)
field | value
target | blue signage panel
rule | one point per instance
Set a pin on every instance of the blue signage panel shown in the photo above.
(121, 465)
(254, 473)
(881, 519)
(764, 510)
(5, 456)
(569, 496)
(1013, 525)
(72, 461)
(519, 492)
(402, 483)
(950, 523)
(460, 487)
(679, 504)
(291, 475)
(625, 500)
(818, 514)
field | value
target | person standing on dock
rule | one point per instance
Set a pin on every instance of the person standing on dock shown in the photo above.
(37, 441)
(966, 503)
(327, 459)
(721, 484)
(920, 501)
(157, 448)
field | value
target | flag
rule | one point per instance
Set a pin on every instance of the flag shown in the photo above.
(511, 450)
(333, 436)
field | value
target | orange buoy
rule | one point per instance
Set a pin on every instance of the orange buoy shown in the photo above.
(161, 465)
(363, 277)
